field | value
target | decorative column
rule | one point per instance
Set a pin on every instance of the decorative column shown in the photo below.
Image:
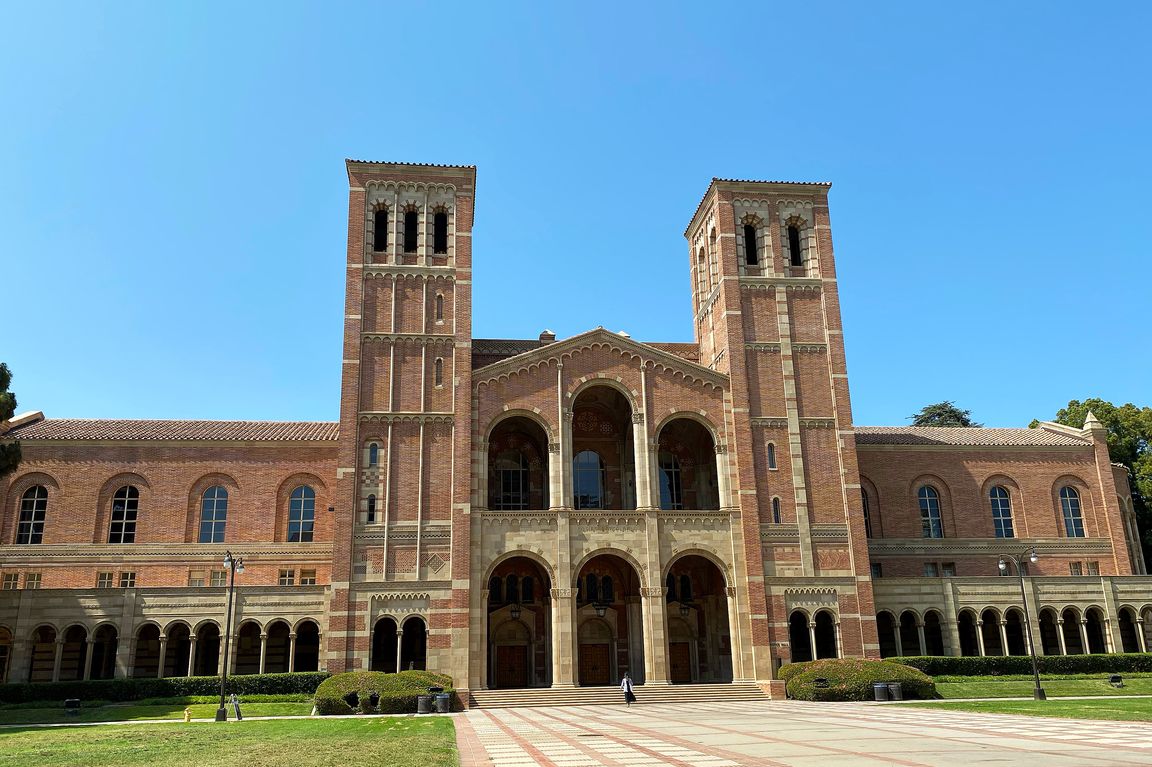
(812, 638)
(1140, 635)
(980, 636)
(263, 650)
(291, 652)
(163, 656)
(899, 640)
(923, 639)
(655, 635)
(58, 659)
(1084, 635)
(563, 636)
(88, 644)
(839, 641)
(192, 639)
(399, 644)
(723, 480)
(738, 672)
(641, 455)
(1004, 636)
(1109, 640)
(555, 476)
(1060, 636)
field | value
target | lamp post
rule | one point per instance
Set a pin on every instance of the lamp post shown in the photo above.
(233, 566)
(1038, 692)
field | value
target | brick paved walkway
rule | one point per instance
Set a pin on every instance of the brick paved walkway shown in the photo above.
(789, 734)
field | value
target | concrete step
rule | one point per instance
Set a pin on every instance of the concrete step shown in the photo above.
(587, 696)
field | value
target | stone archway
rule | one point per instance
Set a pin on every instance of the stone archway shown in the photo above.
(609, 622)
(700, 629)
(414, 644)
(384, 646)
(102, 664)
(519, 624)
(603, 454)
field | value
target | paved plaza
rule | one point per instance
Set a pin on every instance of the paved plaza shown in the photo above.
(789, 733)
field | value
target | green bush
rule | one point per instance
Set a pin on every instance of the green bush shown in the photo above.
(999, 665)
(852, 679)
(303, 683)
(790, 670)
(349, 692)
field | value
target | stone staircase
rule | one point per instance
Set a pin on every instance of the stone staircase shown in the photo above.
(590, 696)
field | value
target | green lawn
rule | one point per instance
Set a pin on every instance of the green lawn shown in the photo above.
(129, 711)
(990, 687)
(393, 741)
(1128, 709)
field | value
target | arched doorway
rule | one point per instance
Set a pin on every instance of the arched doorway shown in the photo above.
(385, 646)
(1071, 628)
(886, 633)
(247, 649)
(799, 641)
(518, 465)
(686, 461)
(414, 644)
(278, 647)
(910, 633)
(104, 644)
(990, 631)
(969, 642)
(43, 654)
(519, 625)
(178, 650)
(147, 660)
(1014, 630)
(1094, 627)
(933, 633)
(73, 653)
(699, 627)
(608, 618)
(1126, 622)
(826, 645)
(1049, 632)
(603, 456)
(307, 647)
(207, 650)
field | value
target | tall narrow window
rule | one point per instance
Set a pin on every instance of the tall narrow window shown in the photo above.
(588, 480)
(527, 589)
(380, 230)
(125, 506)
(439, 307)
(1070, 505)
(301, 515)
(867, 513)
(930, 524)
(411, 225)
(371, 509)
(511, 481)
(440, 232)
(776, 510)
(751, 256)
(671, 491)
(794, 252)
(670, 586)
(33, 508)
(373, 454)
(1001, 512)
(438, 371)
(213, 514)
(495, 590)
(771, 455)
(512, 588)
(701, 277)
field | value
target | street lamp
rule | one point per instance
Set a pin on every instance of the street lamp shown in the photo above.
(233, 566)
(1038, 692)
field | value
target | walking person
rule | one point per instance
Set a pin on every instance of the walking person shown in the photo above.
(626, 686)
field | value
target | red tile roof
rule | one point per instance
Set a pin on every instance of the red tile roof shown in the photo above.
(939, 435)
(222, 431)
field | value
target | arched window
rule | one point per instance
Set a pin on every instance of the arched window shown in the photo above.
(213, 514)
(373, 454)
(588, 480)
(685, 588)
(1001, 512)
(772, 455)
(701, 275)
(670, 585)
(301, 514)
(930, 524)
(751, 255)
(607, 592)
(33, 508)
(438, 371)
(439, 307)
(671, 491)
(380, 230)
(495, 590)
(512, 588)
(776, 510)
(591, 588)
(795, 253)
(511, 480)
(528, 589)
(371, 509)
(440, 232)
(1070, 505)
(411, 226)
(867, 513)
(125, 506)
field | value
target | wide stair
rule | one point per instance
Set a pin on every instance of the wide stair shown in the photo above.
(593, 696)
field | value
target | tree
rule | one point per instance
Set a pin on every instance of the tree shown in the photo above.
(9, 452)
(1130, 443)
(943, 414)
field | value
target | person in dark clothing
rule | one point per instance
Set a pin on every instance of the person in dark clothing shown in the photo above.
(626, 686)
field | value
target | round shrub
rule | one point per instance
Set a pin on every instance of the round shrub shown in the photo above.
(852, 679)
(351, 691)
(790, 670)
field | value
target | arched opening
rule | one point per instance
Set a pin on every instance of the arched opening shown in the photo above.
(969, 643)
(799, 641)
(933, 634)
(1071, 628)
(247, 649)
(519, 625)
(207, 650)
(440, 232)
(380, 230)
(909, 634)
(610, 639)
(43, 658)
(687, 466)
(146, 661)
(1146, 627)
(1094, 626)
(177, 650)
(1014, 630)
(1049, 633)
(307, 647)
(278, 647)
(5, 653)
(384, 646)
(414, 645)
(603, 467)
(104, 642)
(886, 633)
(411, 224)
(701, 651)
(73, 653)
(826, 635)
(751, 254)
(795, 251)
(518, 465)
(1126, 622)
(990, 630)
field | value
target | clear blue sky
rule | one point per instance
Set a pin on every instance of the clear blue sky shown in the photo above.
(173, 194)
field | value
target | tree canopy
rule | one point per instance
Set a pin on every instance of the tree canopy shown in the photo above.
(10, 452)
(944, 413)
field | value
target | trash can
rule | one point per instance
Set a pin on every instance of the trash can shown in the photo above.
(895, 691)
(72, 707)
(880, 690)
(423, 704)
(443, 703)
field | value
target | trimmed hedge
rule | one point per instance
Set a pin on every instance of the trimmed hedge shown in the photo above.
(350, 692)
(852, 679)
(998, 665)
(169, 687)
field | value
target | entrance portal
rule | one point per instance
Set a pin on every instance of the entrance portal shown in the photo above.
(609, 620)
(519, 625)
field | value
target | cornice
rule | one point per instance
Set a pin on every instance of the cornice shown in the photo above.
(398, 417)
(870, 447)
(60, 553)
(782, 422)
(412, 338)
(918, 547)
(409, 271)
(802, 284)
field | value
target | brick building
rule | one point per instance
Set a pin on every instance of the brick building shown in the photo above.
(544, 512)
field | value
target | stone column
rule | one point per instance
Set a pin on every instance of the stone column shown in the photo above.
(655, 635)
(952, 643)
(1084, 635)
(839, 641)
(192, 639)
(738, 671)
(723, 480)
(641, 455)
(899, 639)
(263, 650)
(399, 645)
(1109, 640)
(88, 644)
(292, 652)
(163, 656)
(1004, 636)
(812, 638)
(555, 476)
(980, 636)
(1140, 635)
(58, 659)
(923, 639)
(1060, 636)
(563, 638)
(125, 658)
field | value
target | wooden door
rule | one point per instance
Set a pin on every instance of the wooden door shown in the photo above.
(511, 666)
(594, 666)
(680, 662)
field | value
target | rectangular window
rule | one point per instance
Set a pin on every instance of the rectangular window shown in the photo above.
(1093, 568)
(307, 577)
(31, 580)
(219, 578)
(128, 580)
(948, 570)
(196, 578)
(1075, 568)
(11, 581)
(103, 580)
(877, 570)
(930, 570)
(287, 577)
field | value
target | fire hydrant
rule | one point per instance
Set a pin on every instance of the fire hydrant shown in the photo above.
(188, 715)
